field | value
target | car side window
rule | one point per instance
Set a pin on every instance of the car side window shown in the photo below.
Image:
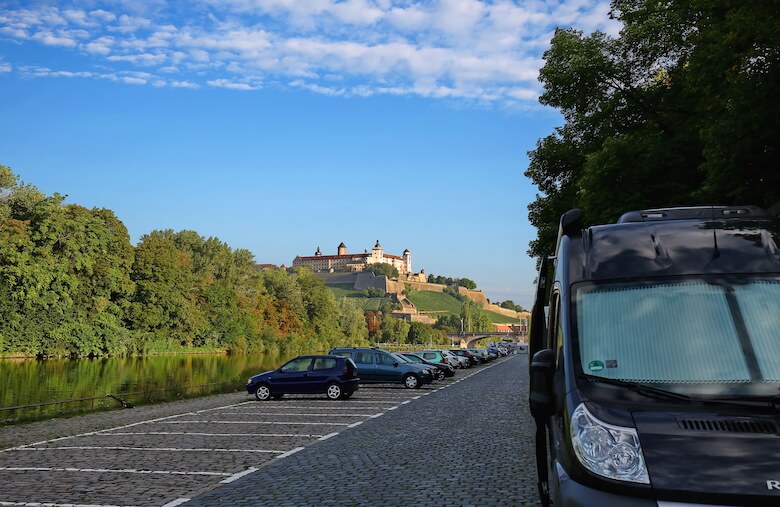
(363, 358)
(384, 359)
(297, 365)
(324, 363)
(429, 355)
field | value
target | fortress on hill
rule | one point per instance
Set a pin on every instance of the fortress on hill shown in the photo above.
(355, 263)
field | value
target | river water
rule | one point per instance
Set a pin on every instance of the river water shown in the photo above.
(45, 383)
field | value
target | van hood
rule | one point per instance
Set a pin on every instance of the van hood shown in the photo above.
(711, 458)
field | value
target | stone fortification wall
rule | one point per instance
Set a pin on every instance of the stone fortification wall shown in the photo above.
(367, 279)
(336, 277)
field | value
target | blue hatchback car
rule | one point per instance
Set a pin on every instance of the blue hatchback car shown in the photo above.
(334, 376)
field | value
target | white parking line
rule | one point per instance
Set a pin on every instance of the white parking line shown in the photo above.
(110, 471)
(51, 504)
(294, 414)
(177, 502)
(289, 453)
(355, 424)
(378, 414)
(329, 435)
(239, 475)
(286, 407)
(124, 426)
(162, 449)
(289, 423)
(252, 435)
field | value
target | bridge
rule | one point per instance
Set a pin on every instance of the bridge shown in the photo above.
(467, 340)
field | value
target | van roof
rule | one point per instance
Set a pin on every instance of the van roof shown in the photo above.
(676, 241)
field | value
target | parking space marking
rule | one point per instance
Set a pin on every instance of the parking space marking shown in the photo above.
(192, 433)
(158, 449)
(378, 414)
(239, 475)
(293, 414)
(289, 453)
(50, 504)
(110, 471)
(405, 402)
(355, 424)
(329, 435)
(286, 406)
(131, 425)
(177, 502)
(293, 423)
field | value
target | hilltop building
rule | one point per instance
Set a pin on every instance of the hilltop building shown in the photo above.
(344, 261)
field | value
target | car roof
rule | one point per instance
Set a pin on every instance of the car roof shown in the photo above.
(673, 247)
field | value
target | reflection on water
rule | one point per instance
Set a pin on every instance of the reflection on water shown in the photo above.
(134, 379)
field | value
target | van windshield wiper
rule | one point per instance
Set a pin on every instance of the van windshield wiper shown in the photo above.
(644, 389)
(771, 401)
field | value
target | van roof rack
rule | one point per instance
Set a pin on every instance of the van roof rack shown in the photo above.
(692, 213)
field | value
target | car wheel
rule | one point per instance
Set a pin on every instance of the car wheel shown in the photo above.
(334, 391)
(411, 381)
(263, 392)
(440, 375)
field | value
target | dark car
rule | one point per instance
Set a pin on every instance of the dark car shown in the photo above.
(473, 360)
(654, 360)
(445, 370)
(380, 366)
(334, 376)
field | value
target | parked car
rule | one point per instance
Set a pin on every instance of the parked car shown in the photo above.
(332, 375)
(439, 356)
(445, 369)
(481, 355)
(471, 358)
(376, 366)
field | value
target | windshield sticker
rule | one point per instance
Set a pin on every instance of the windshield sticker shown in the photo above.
(611, 363)
(595, 366)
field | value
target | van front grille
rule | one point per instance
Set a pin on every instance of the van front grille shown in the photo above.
(729, 425)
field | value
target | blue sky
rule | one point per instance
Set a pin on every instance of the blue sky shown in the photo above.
(283, 125)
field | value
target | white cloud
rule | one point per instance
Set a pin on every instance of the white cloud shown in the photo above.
(51, 39)
(5, 67)
(224, 83)
(472, 50)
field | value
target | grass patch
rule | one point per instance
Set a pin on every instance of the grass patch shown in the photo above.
(435, 301)
(497, 318)
(344, 290)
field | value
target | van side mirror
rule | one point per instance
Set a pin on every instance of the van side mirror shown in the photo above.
(541, 392)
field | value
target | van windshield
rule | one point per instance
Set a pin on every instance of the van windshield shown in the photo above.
(681, 332)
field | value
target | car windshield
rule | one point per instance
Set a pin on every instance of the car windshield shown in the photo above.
(401, 358)
(413, 358)
(685, 332)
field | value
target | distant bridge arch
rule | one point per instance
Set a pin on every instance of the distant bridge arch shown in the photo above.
(468, 340)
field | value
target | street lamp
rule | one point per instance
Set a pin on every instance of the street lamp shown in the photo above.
(461, 325)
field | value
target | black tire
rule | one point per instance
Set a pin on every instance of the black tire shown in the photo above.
(411, 381)
(263, 392)
(440, 374)
(334, 391)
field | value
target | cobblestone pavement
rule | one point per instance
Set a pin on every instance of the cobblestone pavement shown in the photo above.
(464, 441)
(469, 444)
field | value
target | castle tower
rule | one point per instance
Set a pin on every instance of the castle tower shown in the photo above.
(318, 253)
(377, 253)
(342, 250)
(408, 260)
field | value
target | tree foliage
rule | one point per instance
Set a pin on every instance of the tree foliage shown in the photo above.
(72, 284)
(383, 268)
(680, 109)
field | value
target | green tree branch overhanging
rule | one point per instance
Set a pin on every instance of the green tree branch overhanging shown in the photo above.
(681, 108)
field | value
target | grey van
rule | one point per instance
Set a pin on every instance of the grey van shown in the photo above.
(655, 360)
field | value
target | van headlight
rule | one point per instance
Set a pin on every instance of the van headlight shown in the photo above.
(609, 451)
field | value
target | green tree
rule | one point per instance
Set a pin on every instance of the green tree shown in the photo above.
(394, 330)
(469, 284)
(383, 268)
(679, 109)
(420, 333)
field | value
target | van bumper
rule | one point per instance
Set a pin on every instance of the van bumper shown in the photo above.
(571, 493)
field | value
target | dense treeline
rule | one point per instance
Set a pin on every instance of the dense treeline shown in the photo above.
(682, 108)
(72, 284)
